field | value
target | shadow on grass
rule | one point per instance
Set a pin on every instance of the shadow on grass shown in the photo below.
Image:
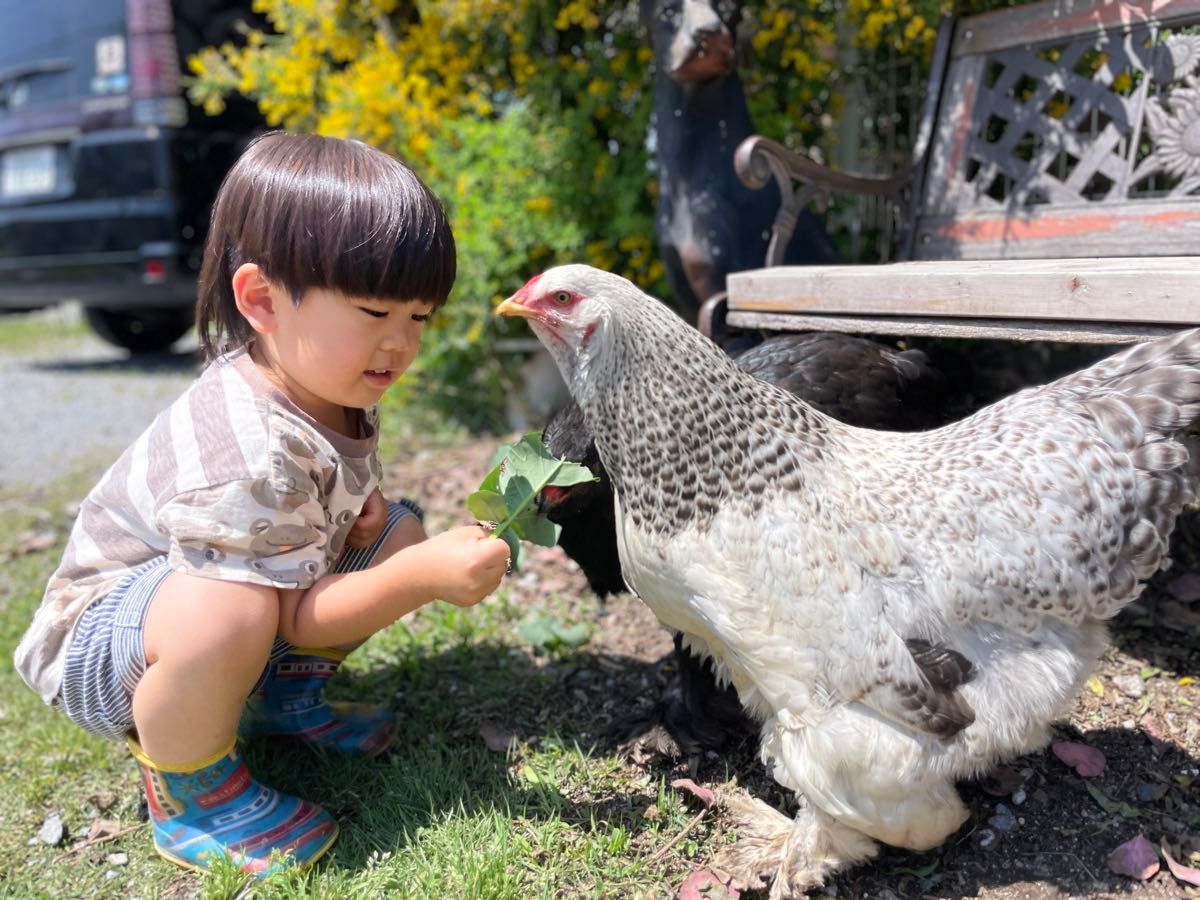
(440, 764)
(1054, 832)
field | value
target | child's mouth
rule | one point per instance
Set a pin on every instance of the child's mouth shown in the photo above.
(379, 377)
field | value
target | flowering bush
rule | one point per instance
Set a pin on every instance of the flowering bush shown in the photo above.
(530, 119)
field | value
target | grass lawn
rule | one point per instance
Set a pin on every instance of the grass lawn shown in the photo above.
(440, 816)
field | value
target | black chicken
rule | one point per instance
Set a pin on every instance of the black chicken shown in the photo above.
(859, 381)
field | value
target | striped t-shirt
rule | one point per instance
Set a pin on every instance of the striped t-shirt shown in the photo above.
(232, 481)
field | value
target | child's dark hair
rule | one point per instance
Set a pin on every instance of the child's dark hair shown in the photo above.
(318, 212)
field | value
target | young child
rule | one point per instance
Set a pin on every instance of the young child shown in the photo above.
(245, 528)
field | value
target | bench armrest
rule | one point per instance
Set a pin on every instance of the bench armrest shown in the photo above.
(759, 159)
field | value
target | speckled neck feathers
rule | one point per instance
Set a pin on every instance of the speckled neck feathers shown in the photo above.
(672, 415)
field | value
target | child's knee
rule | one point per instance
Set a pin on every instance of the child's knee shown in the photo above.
(197, 618)
(405, 533)
(250, 628)
(408, 531)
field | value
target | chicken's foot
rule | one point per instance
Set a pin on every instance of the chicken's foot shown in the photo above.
(796, 854)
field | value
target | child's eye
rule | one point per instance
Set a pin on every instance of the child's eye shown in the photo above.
(375, 313)
(420, 317)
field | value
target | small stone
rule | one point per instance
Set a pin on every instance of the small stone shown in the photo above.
(987, 837)
(109, 875)
(52, 831)
(1003, 820)
(118, 859)
(1018, 796)
(1131, 686)
(1148, 793)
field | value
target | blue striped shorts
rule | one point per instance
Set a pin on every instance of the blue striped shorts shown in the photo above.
(107, 658)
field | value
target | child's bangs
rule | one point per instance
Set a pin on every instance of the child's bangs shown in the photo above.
(362, 223)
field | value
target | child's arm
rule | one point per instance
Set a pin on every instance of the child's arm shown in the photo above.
(460, 566)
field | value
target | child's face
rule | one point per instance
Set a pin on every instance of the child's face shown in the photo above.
(338, 351)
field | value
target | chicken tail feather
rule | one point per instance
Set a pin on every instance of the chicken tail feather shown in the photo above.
(1157, 383)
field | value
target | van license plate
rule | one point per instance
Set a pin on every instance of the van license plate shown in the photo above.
(27, 170)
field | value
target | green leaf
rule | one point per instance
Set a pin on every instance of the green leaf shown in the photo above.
(1110, 805)
(573, 635)
(538, 630)
(536, 529)
(508, 492)
(532, 460)
(519, 495)
(544, 632)
(498, 457)
(487, 506)
(514, 549)
(491, 481)
(917, 871)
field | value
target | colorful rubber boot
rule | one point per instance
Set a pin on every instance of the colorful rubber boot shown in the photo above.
(291, 703)
(213, 807)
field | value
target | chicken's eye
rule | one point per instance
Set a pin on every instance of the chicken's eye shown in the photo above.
(562, 298)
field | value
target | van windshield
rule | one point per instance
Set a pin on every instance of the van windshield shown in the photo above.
(56, 50)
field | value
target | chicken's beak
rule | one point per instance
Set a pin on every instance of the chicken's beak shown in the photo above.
(513, 307)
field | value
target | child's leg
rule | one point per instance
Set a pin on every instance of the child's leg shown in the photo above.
(290, 701)
(204, 650)
(174, 656)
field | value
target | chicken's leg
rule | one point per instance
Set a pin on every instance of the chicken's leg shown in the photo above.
(797, 854)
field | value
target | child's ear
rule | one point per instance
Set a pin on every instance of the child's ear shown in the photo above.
(252, 292)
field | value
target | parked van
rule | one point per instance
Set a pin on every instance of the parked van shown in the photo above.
(107, 174)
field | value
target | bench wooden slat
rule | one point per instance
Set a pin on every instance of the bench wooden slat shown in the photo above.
(1132, 289)
(950, 327)
(1002, 28)
(1115, 228)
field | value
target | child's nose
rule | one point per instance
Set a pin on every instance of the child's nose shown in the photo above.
(394, 342)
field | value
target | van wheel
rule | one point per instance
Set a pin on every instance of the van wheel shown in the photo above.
(141, 330)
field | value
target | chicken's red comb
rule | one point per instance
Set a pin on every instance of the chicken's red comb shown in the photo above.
(528, 286)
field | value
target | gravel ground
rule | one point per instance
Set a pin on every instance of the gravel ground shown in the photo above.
(79, 402)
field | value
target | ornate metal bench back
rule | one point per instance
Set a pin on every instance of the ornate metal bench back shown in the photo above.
(1065, 129)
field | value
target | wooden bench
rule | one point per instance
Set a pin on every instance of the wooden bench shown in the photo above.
(1054, 193)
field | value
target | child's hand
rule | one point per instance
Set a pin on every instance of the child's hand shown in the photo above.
(471, 563)
(369, 524)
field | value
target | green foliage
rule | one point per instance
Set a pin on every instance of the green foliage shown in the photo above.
(508, 492)
(497, 181)
(547, 634)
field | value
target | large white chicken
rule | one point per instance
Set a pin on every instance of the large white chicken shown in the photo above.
(898, 609)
